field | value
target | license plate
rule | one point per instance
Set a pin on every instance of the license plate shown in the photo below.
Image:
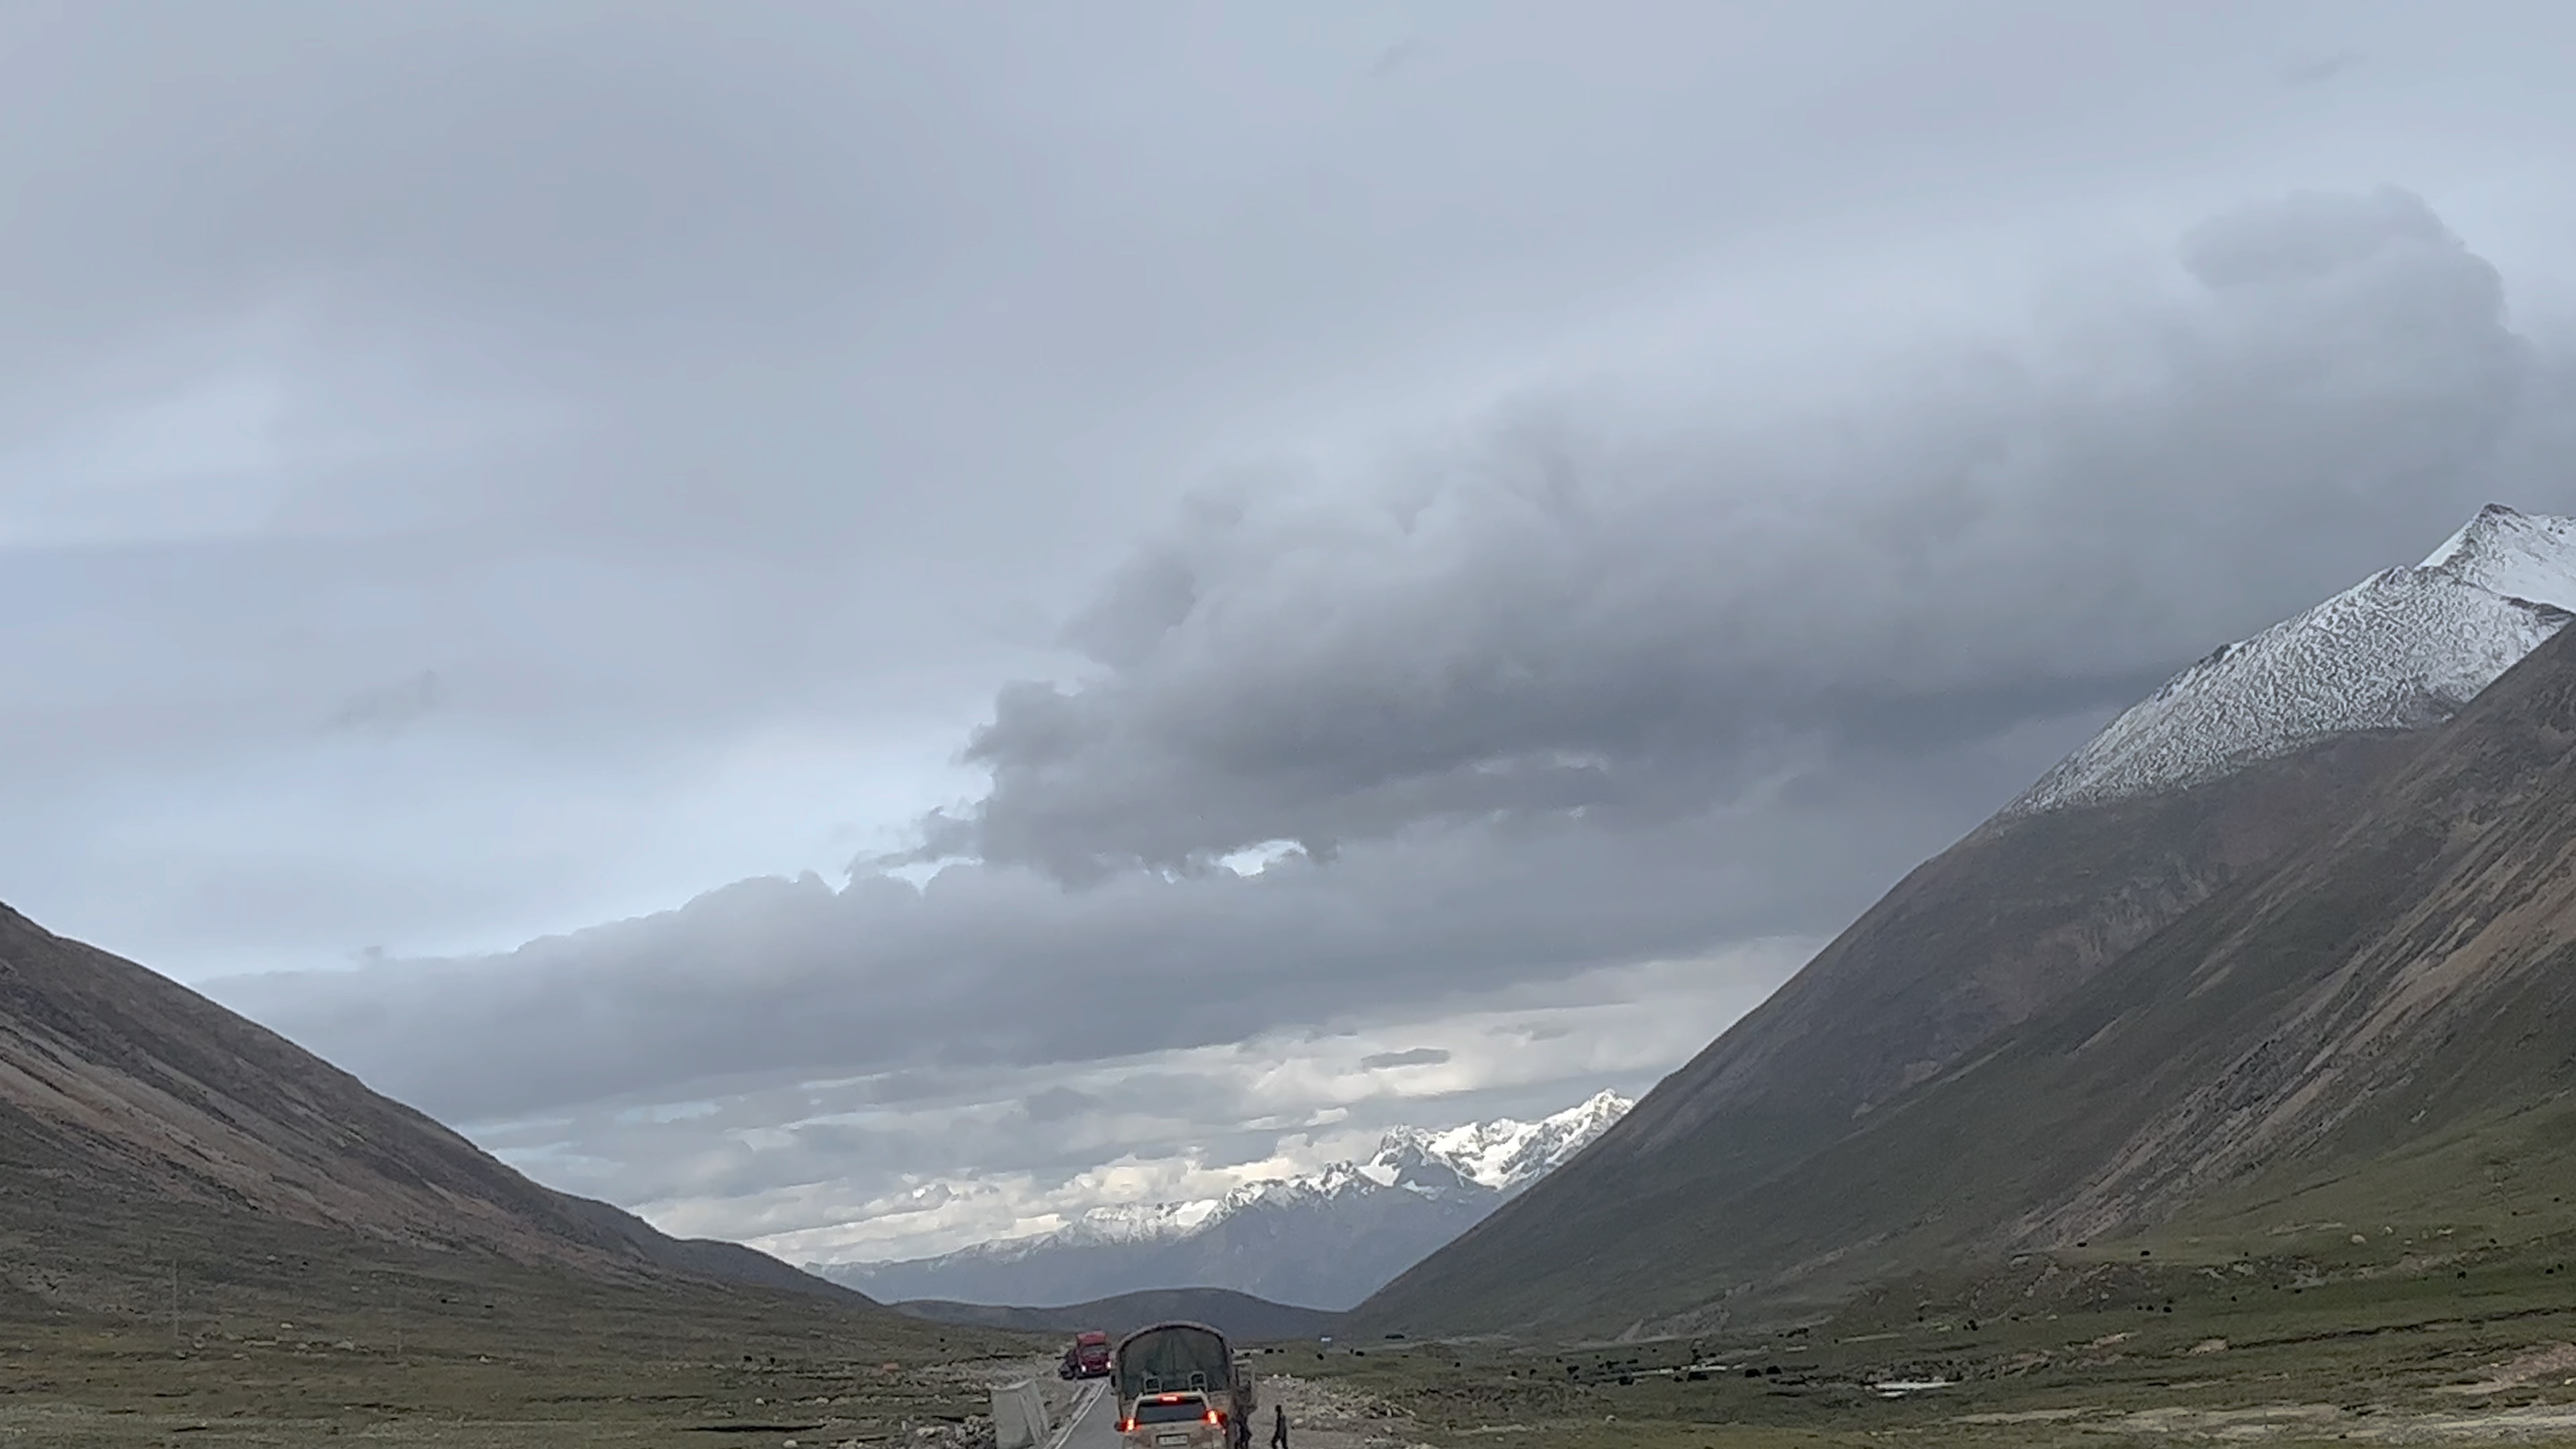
(1172, 1438)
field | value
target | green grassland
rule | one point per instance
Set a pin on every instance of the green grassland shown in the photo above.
(2419, 1333)
(183, 1329)
(2443, 1328)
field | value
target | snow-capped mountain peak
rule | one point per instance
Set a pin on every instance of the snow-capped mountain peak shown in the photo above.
(2402, 649)
(1131, 1222)
(2519, 555)
(1505, 1154)
(1499, 1156)
(1327, 1230)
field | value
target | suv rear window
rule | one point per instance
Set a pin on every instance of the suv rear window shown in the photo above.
(1185, 1412)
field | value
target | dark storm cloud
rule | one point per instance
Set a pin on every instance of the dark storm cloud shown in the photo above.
(1616, 614)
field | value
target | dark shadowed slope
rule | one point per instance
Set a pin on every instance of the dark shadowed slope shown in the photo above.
(118, 1086)
(2013, 918)
(2384, 1020)
(1236, 1315)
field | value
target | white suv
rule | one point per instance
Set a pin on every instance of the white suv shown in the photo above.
(1174, 1421)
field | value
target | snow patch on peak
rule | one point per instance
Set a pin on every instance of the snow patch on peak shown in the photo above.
(2403, 649)
(1131, 1222)
(1502, 1155)
(2519, 555)
(1505, 1154)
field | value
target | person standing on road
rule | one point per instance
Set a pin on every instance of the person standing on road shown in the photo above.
(1279, 1426)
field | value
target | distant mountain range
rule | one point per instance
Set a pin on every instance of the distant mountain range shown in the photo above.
(1325, 1240)
(2292, 939)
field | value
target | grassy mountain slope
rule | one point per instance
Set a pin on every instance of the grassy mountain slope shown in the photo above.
(2352, 1029)
(1973, 943)
(202, 1224)
(117, 1081)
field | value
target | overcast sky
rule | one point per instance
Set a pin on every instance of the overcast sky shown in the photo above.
(720, 594)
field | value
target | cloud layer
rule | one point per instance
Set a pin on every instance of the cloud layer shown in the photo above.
(1606, 614)
(996, 970)
(916, 1162)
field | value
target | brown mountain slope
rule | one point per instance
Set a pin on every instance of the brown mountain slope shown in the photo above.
(2013, 917)
(118, 1085)
(1982, 937)
(2363, 1024)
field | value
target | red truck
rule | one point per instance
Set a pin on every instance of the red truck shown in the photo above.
(1089, 1357)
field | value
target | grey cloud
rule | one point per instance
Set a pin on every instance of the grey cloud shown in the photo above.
(677, 382)
(929, 1195)
(1580, 695)
(389, 708)
(1396, 57)
(2325, 238)
(1239, 1149)
(1411, 1057)
(993, 969)
(2317, 70)
(1597, 612)
(825, 1169)
(1055, 1104)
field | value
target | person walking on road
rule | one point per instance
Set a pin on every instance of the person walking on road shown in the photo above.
(1279, 1426)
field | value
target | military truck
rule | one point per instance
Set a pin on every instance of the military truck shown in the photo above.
(1182, 1386)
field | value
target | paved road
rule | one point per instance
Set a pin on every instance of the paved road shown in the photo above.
(1098, 1426)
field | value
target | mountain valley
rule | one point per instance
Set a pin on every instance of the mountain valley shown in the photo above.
(2270, 1040)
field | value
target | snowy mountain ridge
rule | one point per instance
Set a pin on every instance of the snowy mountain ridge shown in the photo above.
(1331, 1234)
(1498, 1156)
(2403, 649)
